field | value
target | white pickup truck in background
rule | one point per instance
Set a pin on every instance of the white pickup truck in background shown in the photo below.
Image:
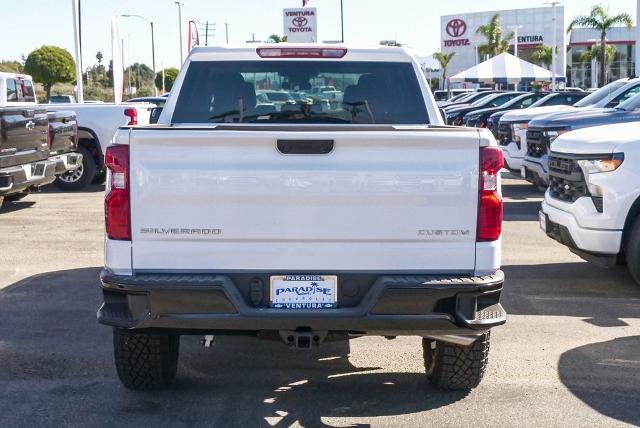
(593, 201)
(97, 123)
(306, 223)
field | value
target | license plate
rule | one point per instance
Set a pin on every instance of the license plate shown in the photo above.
(304, 291)
(523, 172)
(543, 221)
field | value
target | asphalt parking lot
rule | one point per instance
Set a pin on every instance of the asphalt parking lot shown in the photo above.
(569, 354)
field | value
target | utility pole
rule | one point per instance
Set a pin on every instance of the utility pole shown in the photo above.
(226, 32)
(515, 37)
(180, 30)
(209, 28)
(129, 60)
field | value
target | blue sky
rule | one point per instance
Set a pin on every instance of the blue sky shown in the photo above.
(414, 22)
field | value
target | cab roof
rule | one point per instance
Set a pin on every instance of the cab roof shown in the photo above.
(250, 52)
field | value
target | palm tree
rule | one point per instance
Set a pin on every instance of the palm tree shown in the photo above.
(599, 20)
(594, 54)
(444, 59)
(274, 38)
(496, 44)
(544, 56)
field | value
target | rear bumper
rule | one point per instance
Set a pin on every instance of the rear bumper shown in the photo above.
(392, 305)
(66, 162)
(16, 179)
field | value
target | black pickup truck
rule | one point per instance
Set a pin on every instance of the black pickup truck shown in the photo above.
(35, 145)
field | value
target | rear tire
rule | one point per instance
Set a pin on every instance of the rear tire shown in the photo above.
(81, 177)
(632, 251)
(456, 367)
(145, 361)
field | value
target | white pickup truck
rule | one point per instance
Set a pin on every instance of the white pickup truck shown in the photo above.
(304, 224)
(97, 123)
(593, 201)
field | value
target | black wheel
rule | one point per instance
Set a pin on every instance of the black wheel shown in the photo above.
(632, 252)
(451, 366)
(80, 177)
(17, 196)
(145, 361)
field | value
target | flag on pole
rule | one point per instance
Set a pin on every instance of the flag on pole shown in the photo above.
(117, 66)
(304, 2)
(192, 38)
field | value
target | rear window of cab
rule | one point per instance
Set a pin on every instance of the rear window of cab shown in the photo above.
(365, 93)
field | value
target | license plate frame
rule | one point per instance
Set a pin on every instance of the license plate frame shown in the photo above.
(303, 292)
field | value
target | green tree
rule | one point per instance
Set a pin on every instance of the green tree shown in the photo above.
(11, 66)
(543, 55)
(602, 22)
(49, 65)
(99, 57)
(170, 76)
(595, 54)
(274, 38)
(496, 44)
(390, 43)
(444, 59)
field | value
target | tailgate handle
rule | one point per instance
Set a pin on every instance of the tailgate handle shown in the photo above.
(305, 147)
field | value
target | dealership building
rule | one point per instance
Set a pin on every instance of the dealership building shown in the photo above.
(536, 27)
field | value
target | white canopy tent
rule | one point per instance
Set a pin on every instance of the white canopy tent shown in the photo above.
(505, 68)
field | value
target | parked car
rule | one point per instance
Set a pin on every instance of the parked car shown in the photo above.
(223, 221)
(35, 145)
(541, 132)
(62, 99)
(277, 98)
(453, 99)
(466, 99)
(513, 125)
(157, 101)
(480, 118)
(455, 115)
(444, 95)
(593, 202)
(504, 134)
(96, 125)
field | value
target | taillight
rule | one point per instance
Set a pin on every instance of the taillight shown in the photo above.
(301, 52)
(490, 204)
(116, 203)
(132, 114)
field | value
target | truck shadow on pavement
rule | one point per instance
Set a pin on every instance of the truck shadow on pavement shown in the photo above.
(11, 206)
(606, 376)
(57, 368)
(601, 296)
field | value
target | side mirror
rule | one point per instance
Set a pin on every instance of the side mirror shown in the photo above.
(155, 115)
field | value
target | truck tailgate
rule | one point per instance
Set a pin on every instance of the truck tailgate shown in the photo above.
(222, 200)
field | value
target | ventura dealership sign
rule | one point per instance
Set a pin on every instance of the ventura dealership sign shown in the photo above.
(300, 25)
(458, 33)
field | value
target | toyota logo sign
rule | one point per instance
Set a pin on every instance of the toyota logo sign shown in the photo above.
(299, 21)
(456, 27)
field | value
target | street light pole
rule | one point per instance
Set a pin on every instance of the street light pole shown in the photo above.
(555, 42)
(515, 41)
(342, 20)
(226, 32)
(153, 48)
(180, 29)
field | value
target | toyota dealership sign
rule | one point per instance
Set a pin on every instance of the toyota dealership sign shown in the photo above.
(458, 33)
(455, 29)
(300, 25)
